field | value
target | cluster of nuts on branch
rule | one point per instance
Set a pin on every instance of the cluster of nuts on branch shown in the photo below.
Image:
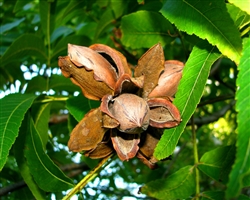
(135, 107)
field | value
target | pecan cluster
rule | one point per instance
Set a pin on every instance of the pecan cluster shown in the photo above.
(136, 105)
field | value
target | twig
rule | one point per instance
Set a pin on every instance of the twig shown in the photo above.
(196, 161)
(213, 117)
(51, 99)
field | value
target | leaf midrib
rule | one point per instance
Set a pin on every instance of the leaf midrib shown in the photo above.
(7, 122)
(36, 152)
(210, 22)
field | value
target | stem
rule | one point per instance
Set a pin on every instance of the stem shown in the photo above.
(183, 45)
(245, 31)
(89, 104)
(92, 174)
(49, 48)
(196, 161)
(50, 99)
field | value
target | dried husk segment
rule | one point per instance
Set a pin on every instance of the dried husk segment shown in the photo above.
(163, 114)
(150, 65)
(91, 60)
(169, 79)
(90, 87)
(126, 145)
(118, 58)
(88, 133)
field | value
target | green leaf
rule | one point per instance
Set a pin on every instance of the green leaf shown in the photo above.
(106, 19)
(72, 9)
(12, 108)
(10, 74)
(56, 83)
(154, 5)
(241, 166)
(19, 5)
(71, 123)
(118, 7)
(9, 26)
(79, 106)
(25, 193)
(62, 46)
(47, 175)
(61, 32)
(23, 46)
(47, 12)
(243, 5)
(208, 20)
(19, 147)
(218, 195)
(212, 195)
(243, 197)
(145, 29)
(246, 181)
(239, 17)
(179, 185)
(218, 163)
(189, 93)
(41, 115)
(36, 84)
(88, 30)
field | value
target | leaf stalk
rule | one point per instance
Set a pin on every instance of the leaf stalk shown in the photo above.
(91, 175)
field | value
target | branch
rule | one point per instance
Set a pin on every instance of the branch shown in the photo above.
(215, 73)
(119, 193)
(11, 188)
(213, 117)
(55, 119)
(216, 99)
(215, 67)
(75, 169)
